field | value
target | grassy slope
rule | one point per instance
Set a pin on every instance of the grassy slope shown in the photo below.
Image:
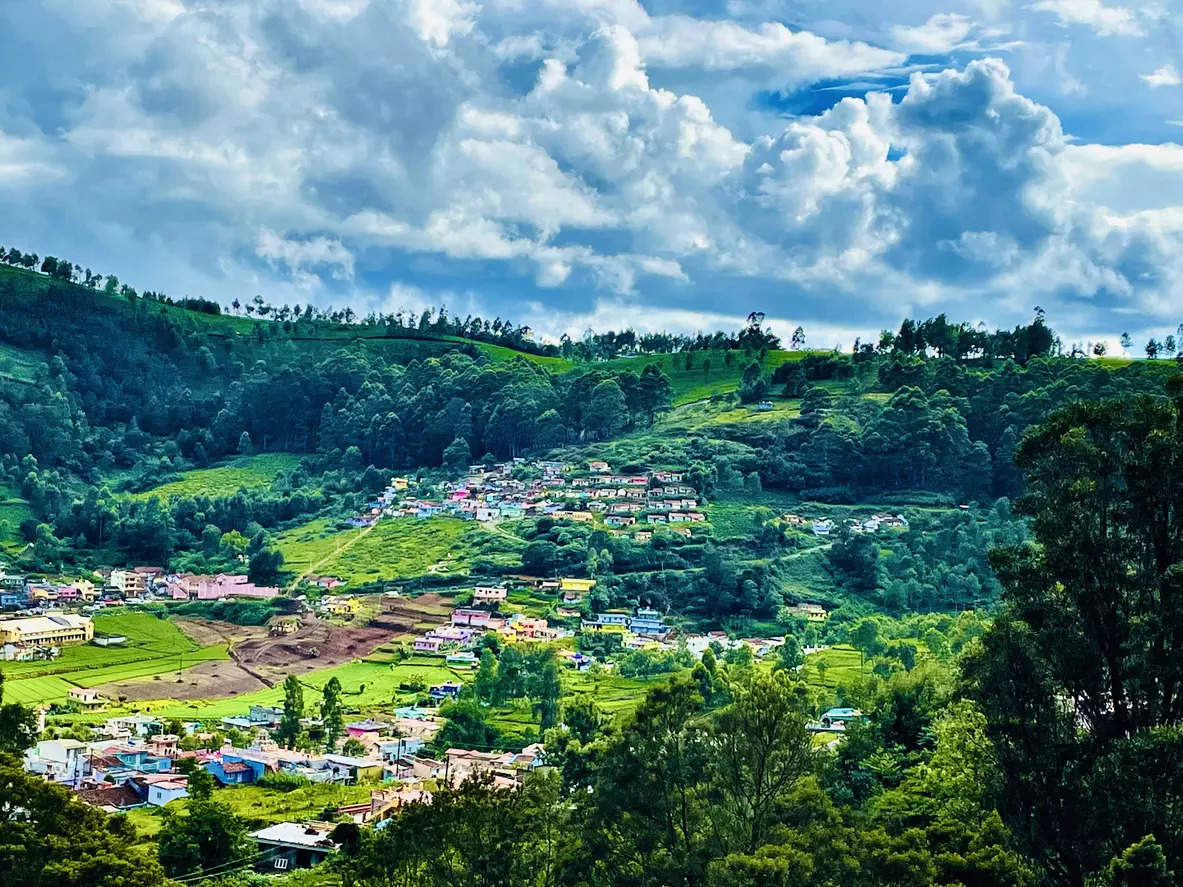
(696, 382)
(394, 549)
(321, 337)
(252, 472)
(155, 646)
(13, 510)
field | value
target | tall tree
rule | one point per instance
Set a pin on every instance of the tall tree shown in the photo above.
(1080, 678)
(293, 710)
(331, 715)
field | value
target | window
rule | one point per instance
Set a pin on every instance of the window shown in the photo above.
(281, 862)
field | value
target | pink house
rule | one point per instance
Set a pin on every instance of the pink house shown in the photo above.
(428, 645)
(215, 588)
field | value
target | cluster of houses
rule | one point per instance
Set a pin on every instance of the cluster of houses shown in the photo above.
(518, 488)
(119, 586)
(825, 526)
(131, 762)
(26, 638)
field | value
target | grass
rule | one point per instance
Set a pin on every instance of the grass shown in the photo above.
(698, 382)
(250, 472)
(155, 647)
(13, 510)
(393, 549)
(18, 365)
(261, 807)
(843, 664)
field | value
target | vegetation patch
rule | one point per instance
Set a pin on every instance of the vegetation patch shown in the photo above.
(246, 472)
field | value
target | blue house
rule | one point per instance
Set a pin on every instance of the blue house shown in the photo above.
(234, 769)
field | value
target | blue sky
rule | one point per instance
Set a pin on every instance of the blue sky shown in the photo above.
(602, 163)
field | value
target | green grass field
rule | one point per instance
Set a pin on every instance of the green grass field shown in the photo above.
(394, 549)
(19, 365)
(698, 381)
(155, 647)
(251, 472)
(13, 510)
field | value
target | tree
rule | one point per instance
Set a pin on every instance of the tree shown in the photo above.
(1126, 341)
(1077, 676)
(789, 656)
(331, 715)
(762, 749)
(293, 710)
(211, 540)
(244, 444)
(540, 557)
(798, 340)
(1099, 349)
(353, 747)
(52, 839)
(18, 725)
(457, 455)
(208, 836)
(485, 684)
(1152, 349)
(606, 410)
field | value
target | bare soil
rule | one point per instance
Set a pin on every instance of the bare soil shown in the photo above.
(260, 659)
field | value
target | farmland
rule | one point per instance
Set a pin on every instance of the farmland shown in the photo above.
(154, 647)
(247, 472)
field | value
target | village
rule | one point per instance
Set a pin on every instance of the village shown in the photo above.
(519, 488)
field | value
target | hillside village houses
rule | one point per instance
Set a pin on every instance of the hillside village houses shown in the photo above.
(518, 489)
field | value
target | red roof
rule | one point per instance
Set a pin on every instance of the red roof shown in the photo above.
(235, 767)
(115, 796)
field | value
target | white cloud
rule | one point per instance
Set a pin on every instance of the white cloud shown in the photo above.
(301, 256)
(941, 33)
(1104, 20)
(1164, 76)
(796, 56)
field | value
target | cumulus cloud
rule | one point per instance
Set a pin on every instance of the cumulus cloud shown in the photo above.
(1104, 20)
(574, 161)
(942, 32)
(1164, 76)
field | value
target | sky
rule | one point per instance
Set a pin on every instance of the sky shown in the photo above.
(575, 164)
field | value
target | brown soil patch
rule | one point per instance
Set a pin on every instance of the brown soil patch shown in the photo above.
(259, 659)
(209, 680)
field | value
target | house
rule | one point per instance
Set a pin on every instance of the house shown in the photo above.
(581, 586)
(111, 798)
(428, 644)
(129, 582)
(618, 520)
(605, 622)
(162, 792)
(489, 594)
(133, 725)
(84, 696)
(163, 745)
(58, 760)
(764, 406)
(809, 612)
(357, 729)
(52, 628)
(822, 527)
(356, 769)
(449, 691)
(647, 622)
(461, 659)
(290, 845)
(471, 617)
(642, 535)
(597, 466)
(230, 768)
(339, 606)
(838, 718)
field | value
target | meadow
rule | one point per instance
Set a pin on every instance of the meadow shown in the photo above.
(249, 472)
(697, 375)
(393, 549)
(13, 510)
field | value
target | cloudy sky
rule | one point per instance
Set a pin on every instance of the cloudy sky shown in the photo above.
(573, 163)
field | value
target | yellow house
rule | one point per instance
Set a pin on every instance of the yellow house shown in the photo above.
(339, 606)
(52, 628)
(399, 483)
(582, 586)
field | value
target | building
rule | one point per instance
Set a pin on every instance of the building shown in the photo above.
(581, 586)
(130, 583)
(809, 612)
(647, 622)
(489, 594)
(606, 622)
(84, 696)
(50, 629)
(290, 845)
